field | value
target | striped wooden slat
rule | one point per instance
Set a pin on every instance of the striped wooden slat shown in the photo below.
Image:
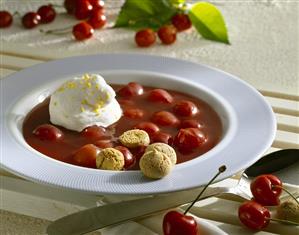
(286, 139)
(287, 123)
(47, 198)
(5, 72)
(283, 106)
(26, 56)
(280, 95)
(13, 63)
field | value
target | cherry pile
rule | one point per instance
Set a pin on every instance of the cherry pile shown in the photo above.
(91, 11)
(44, 15)
(86, 155)
(92, 14)
(189, 135)
(266, 190)
(178, 127)
(167, 33)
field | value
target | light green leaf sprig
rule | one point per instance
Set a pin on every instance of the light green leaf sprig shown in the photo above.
(139, 14)
(209, 22)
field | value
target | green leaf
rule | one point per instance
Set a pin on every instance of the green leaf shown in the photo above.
(138, 14)
(208, 21)
(177, 2)
(180, 5)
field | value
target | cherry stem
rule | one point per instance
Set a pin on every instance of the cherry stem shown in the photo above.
(287, 191)
(220, 170)
(56, 5)
(57, 31)
(284, 221)
(16, 13)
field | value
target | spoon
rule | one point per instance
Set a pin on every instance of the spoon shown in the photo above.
(281, 162)
(98, 217)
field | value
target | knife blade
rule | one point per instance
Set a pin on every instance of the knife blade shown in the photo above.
(115, 213)
(99, 217)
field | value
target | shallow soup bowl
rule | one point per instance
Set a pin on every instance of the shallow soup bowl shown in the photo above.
(248, 123)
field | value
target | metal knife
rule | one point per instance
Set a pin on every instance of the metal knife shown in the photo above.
(99, 217)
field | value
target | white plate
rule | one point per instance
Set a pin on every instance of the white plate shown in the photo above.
(249, 123)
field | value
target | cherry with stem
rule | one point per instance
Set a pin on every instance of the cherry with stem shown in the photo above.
(176, 223)
(286, 191)
(267, 188)
(60, 31)
(220, 170)
(256, 217)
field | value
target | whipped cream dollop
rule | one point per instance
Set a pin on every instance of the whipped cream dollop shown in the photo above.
(84, 101)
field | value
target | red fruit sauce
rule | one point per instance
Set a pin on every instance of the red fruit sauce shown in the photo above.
(65, 149)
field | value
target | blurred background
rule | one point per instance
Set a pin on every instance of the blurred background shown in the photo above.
(263, 36)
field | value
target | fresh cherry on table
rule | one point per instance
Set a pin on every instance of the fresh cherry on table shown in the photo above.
(31, 20)
(167, 34)
(5, 19)
(181, 22)
(80, 8)
(253, 215)
(97, 19)
(266, 189)
(83, 9)
(97, 4)
(48, 132)
(69, 5)
(145, 37)
(47, 13)
(82, 31)
(176, 223)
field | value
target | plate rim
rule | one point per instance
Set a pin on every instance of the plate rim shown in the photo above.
(139, 57)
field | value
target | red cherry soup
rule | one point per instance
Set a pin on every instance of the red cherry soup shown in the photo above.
(163, 119)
